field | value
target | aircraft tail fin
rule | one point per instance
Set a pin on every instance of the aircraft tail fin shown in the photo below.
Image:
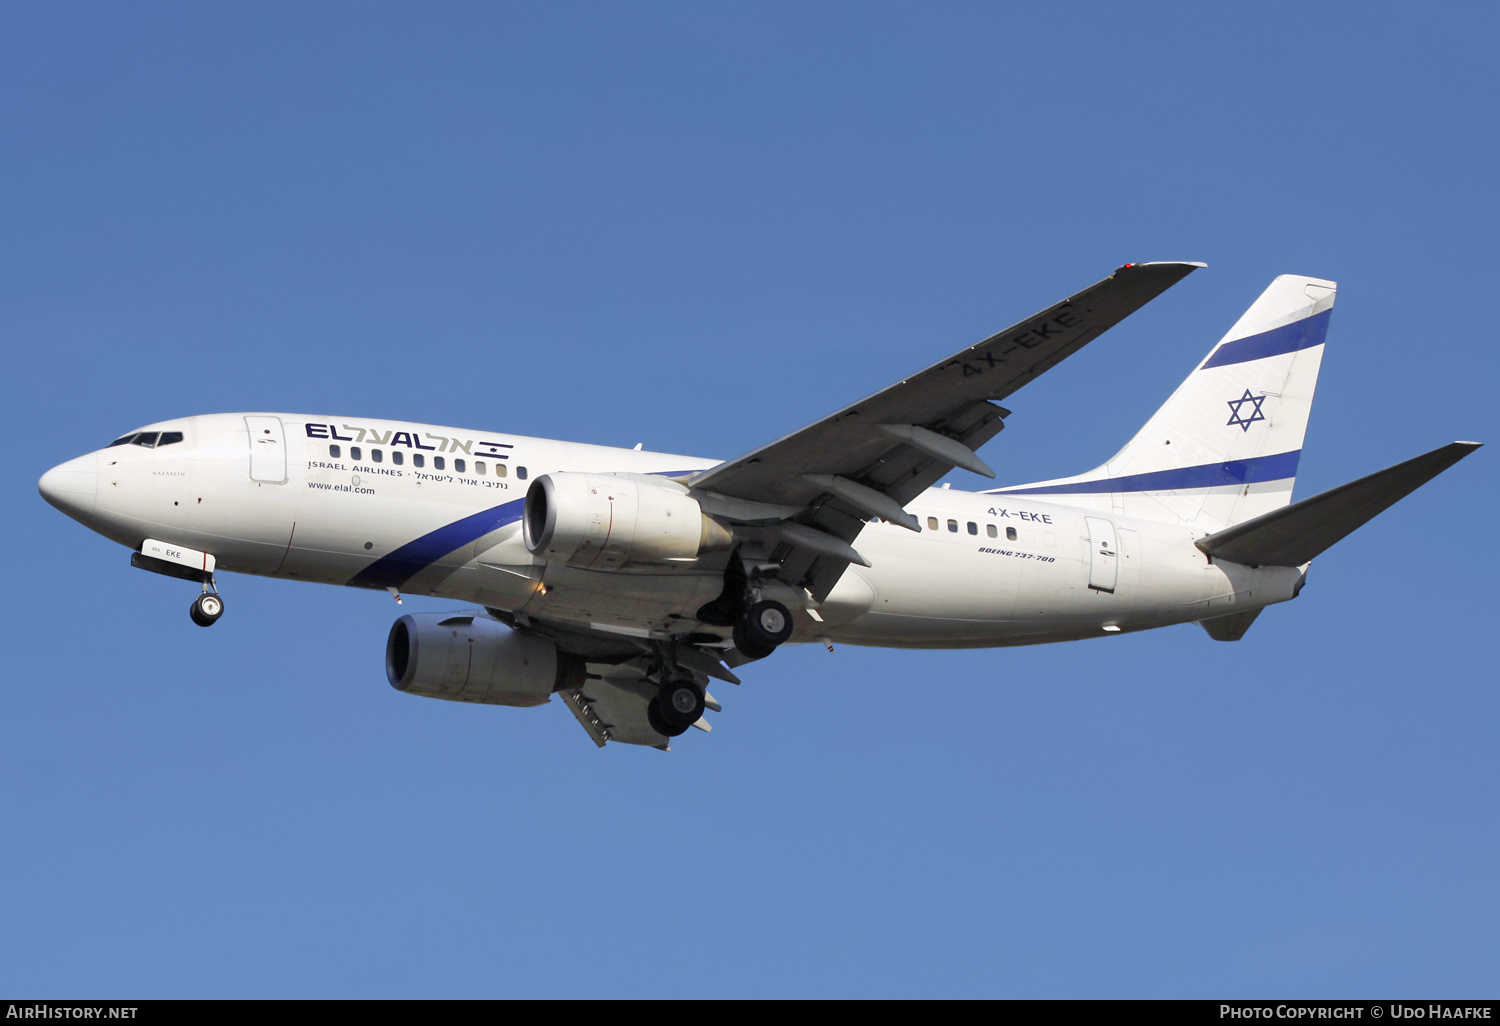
(1224, 448)
(1293, 535)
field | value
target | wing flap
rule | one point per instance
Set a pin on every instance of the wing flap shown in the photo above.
(614, 709)
(611, 704)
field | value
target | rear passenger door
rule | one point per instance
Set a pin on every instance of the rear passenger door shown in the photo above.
(1104, 554)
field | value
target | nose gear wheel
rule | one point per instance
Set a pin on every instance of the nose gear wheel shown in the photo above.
(206, 609)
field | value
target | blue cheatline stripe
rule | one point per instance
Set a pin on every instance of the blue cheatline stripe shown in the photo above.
(1303, 334)
(401, 565)
(1209, 475)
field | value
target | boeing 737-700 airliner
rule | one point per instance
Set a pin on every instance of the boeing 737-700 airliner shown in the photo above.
(622, 580)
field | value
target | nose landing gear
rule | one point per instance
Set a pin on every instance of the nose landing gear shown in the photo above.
(186, 565)
(207, 608)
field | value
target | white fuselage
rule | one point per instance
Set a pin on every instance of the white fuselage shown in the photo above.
(986, 569)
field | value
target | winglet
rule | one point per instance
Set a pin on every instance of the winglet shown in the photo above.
(1194, 264)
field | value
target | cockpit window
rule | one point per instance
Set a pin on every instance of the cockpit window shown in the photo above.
(147, 439)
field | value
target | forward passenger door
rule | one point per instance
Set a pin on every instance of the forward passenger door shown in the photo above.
(267, 450)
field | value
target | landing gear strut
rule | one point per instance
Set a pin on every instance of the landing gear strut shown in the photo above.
(207, 608)
(763, 627)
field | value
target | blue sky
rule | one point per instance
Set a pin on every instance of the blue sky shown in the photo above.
(699, 226)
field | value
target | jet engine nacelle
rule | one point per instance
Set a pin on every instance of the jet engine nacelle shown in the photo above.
(467, 658)
(603, 521)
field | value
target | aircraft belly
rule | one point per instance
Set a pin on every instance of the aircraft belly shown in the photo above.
(503, 574)
(851, 597)
(642, 601)
(935, 591)
(887, 630)
(931, 577)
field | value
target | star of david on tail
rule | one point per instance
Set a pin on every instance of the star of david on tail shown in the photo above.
(1237, 411)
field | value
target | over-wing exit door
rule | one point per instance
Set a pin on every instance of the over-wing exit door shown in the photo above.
(1104, 554)
(267, 450)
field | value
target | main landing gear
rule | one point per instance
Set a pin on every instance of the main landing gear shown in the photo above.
(680, 700)
(208, 607)
(759, 627)
(764, 626)
(677, 706)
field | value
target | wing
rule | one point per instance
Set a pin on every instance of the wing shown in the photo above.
(873, 457)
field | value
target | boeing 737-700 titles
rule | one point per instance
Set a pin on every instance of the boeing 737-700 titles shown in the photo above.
(624, 581)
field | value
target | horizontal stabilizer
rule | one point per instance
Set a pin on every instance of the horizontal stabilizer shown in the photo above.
(1294, 534)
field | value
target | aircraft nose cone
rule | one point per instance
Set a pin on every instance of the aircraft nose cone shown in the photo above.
(72, 486)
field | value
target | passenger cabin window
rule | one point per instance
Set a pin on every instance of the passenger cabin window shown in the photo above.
(335, 451)
(1010, 533)
(989, 529)
(521, 473)
(418, 460)
(460, 466)
(146, 439)
(932, 523)
(953, 526)
(499, 469)
(973, 527)
(478, 467)
(355, 452)
(376, 456)
(438, 463)
(398, 457)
